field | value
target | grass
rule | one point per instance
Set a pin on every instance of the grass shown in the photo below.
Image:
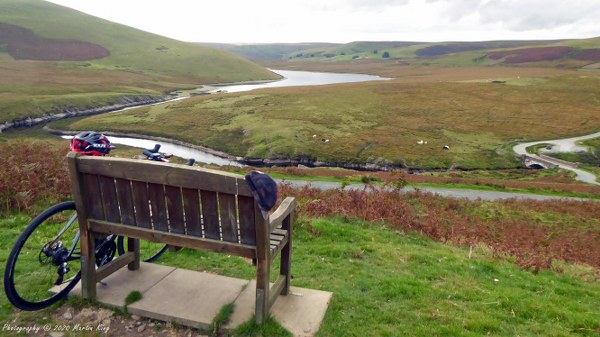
(390, 283)
(132, 297)
(377, 122)
(584, 158)
(222, 319)
(416, 264)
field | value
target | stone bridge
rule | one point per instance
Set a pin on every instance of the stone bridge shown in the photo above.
(536, 162)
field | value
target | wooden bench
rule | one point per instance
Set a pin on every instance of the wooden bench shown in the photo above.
(181, 206)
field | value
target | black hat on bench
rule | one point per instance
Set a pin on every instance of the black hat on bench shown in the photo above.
(264, 189)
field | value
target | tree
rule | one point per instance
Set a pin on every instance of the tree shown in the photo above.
(385, 55)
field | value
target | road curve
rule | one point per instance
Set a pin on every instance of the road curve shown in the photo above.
(562, 145)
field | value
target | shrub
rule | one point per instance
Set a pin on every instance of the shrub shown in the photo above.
(32, 171)
(533, 233)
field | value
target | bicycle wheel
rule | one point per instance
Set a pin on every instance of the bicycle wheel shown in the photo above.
(44, 265)
(149, 251)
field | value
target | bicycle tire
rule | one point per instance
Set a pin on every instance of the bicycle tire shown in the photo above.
(23, 274)
(149, 251)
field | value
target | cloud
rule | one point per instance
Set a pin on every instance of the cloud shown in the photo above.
(352, 20)
(376, 4)
(538, 14)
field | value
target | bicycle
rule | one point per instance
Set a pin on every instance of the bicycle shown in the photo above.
(38, 273)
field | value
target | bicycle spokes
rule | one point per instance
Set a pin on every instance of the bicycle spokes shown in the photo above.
(39, 271)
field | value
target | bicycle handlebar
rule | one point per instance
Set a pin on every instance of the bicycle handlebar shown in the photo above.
(153, 154)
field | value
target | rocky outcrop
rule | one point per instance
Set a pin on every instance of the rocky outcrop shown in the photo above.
(311, 162)
(124, 102)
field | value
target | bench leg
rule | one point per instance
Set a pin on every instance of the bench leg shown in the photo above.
(87, 244)
(133, 245)
(286, 256)
(262, 290)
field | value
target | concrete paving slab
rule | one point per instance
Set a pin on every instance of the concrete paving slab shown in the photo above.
(188, 297)
(300, 312)
(114, 289)
(194, 298)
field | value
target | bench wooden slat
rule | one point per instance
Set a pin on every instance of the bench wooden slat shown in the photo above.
(228, 215)
(177, 240)
(277, 242)
(140, 201)
(92, 196)
(125, 201)
(116, 264)
(210, 214)
(109, 198)
(166, 173)
(175, 209)
(246, 210)
(191, 205)
(158, 207)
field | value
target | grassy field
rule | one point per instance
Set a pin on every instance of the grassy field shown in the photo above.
(397, 264)
(391, 283)
(376, 122)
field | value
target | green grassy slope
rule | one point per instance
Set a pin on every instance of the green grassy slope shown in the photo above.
(388, 283)
(130, 48)
(377, 122)
(139, 63)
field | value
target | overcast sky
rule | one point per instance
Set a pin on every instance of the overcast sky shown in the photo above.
(342, 21)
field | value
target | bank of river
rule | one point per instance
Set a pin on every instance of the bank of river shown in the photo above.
(123, 104)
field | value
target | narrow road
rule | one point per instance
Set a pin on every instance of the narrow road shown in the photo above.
(445, 192)
(562, 145)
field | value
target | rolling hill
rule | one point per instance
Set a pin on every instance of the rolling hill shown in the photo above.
(52, 56)
(545, 53)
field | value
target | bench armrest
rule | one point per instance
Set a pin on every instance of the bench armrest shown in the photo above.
(276, 219)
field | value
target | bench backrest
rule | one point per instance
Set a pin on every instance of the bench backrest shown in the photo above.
(167, 198)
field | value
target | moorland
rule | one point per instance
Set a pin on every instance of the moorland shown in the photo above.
(397, 262)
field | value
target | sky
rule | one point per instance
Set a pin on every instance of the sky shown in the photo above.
(343, 21)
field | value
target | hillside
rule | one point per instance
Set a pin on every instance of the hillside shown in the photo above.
(269, 51)
(545, 53)
(52, 56)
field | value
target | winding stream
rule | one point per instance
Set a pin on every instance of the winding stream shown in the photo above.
(290, 79)
(307, 78)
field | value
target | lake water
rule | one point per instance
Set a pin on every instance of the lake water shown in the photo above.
(293, 78)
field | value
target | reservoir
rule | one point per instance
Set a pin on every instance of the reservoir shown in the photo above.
(293, 78)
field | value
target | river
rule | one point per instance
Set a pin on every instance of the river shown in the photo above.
(291, 78)
(294, 78)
